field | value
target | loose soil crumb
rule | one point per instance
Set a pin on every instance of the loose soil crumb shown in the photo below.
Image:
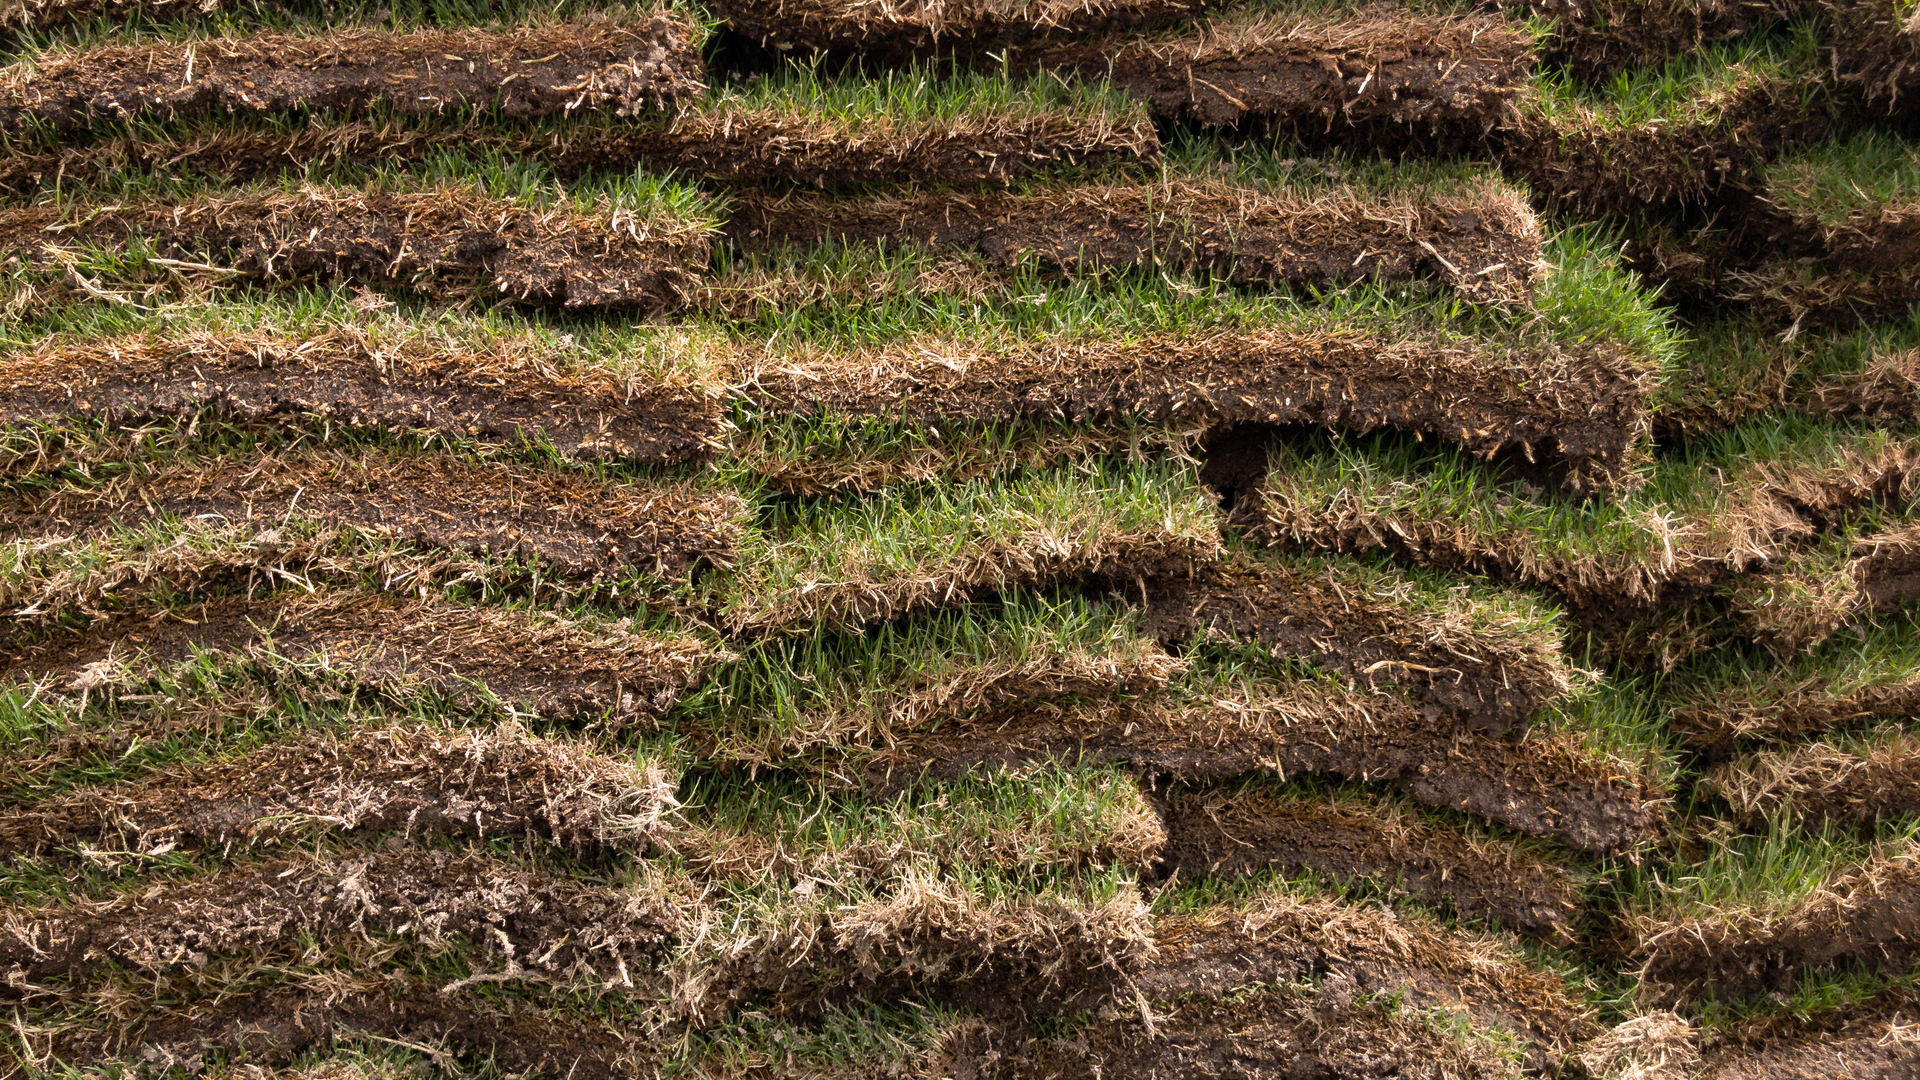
(1868, 917)
(551, 926)
(651, 59)
(506, 394)
(1491, 682)
(1822, 785)
(555, 665)
(1312, 72)
(450, 241)
(1541, 786)
(1481, 240)
(417, 781)
(1223, 831)
(580, 527)
(1584, 410)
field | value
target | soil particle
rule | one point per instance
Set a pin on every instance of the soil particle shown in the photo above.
(450, 241)
(1546, 787)
(1867, 918)
(626, 66)
(1311, 72)
(1582, 410)
(1213, 832)
(1482, 240)
(893, 32)
(1491, 684)
(582, 528)
(503, 394)
(556, 666)
(416, 781)
(550, 925)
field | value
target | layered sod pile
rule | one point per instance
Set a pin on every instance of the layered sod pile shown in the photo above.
(991, 539)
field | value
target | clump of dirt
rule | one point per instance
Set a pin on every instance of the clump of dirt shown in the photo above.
(448, 241)
(1311, 72)
(555, 665)
(417, 781)
(507, 393)
(541, 925)
(1874, 1039)
(1447, 659)
(1867, 917)
(272, 1028)
(1549, 787)
(742, 145)
(650, 59)
(580, 527)
(1223, 831)
(1582, 410)
(1822, 785)
(1482, 240)
(968, 27)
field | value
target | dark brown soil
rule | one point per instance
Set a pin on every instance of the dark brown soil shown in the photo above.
(505, 394)
(626, 66)
(1485, 684)
(416, 781)
(552, 925)
(1264, 1035)
(1581, 411)
(1483, 242)
(447, 242)
(1872, 1041)
(273, 1027)
(1869, 918)
(969, 28)
(732, 145)
(535, 659)
(1221, 831)
(1540, 786)
(580, 527)
(1311, 72)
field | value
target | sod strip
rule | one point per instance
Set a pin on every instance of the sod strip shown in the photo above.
(554, 665)
(1876, 48)
(413, 780)
(583, 528)
(1583, 408)
(549, 924)
(1864, 917)
(646, 60)
(1491, 665)
(1551, 787)
(42, 14)
(1874, 1038)
(1810, 596)
(1481, 239)
(1849, 784)
(498, 392)
(1239, 830)
(450, 241)
(276, 1027)
(1600, 39)
(1306, 67)
(894, 32)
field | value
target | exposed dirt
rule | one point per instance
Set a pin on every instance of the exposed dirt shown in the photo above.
(1822, 785)
(1221, 831)
(1869, 917)
(1481, 240)
(505, 393)
(1874, 1040)
(651, 59)
(1582, 411)
(1490, 683)
(273, 1027)
(967, 27)
(417, 781)
(1541, 786)
(449, 241)
(580, 527)
(1717, 718)
(734, 144)
(555, 665)
(1311, 72)
(552, 926)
